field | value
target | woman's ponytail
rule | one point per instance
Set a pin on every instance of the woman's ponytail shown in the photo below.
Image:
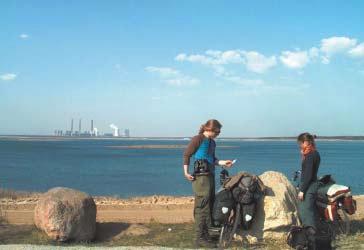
(202, 129)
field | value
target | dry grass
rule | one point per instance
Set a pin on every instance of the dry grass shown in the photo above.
(180, 236)
(2, 217)
(14, 194)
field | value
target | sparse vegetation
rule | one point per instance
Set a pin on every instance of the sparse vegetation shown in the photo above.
(111, 233)
(14, 194)
(180, 236)
(2, 217)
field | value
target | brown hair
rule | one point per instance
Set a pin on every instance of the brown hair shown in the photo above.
(211, 124)
(307, 137)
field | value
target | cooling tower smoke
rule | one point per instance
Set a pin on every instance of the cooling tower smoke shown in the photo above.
(95, 132)
(116, 129)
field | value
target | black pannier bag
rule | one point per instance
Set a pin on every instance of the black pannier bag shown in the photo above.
(247, 193)
(248, 214)
(243, 196)
(323, 242)
(248, 182)
(224, 203)
(297, 238)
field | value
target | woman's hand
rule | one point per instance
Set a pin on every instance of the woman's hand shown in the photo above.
(301, 196)
(189, 177)
(226, 163)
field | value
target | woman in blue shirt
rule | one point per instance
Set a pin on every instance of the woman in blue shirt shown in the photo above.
(202, 147)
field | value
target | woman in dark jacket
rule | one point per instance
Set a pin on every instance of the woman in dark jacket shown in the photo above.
(308, 185)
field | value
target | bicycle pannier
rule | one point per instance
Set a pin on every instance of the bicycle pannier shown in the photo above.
(224, 203)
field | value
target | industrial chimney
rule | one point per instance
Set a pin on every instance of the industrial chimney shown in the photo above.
(79, 127)
(72, 126)
(92, 127)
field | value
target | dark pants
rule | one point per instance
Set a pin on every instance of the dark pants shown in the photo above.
(307, 208)
(204, 189)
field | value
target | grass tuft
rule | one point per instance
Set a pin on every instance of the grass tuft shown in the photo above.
(14, 194)
(179, 236)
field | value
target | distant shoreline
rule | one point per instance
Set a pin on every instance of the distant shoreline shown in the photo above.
(271, 138)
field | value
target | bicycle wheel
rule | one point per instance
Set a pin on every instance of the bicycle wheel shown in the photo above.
(343, 222)
(340, 226)
(229, 228)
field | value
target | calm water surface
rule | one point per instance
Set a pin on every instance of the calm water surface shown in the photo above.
(94, 167)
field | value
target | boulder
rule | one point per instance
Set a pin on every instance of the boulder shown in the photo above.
(66, 214)
(276, 212)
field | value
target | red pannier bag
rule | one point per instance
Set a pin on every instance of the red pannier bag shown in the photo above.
(349, 205)
(327, 210)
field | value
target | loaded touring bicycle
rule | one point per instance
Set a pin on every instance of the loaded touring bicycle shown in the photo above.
(334, 203)
(235, 205)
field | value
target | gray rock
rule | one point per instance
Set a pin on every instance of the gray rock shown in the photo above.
(66, 214)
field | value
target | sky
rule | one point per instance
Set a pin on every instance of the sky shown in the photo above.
(162, 68)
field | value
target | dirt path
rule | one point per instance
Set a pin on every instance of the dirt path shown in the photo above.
(163, 209)
(138, 210)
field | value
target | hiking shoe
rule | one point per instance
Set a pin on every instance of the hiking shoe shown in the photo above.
(214, 231)
(205, 244)
(208, 238)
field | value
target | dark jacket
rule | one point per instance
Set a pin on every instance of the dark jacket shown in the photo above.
(310, 166)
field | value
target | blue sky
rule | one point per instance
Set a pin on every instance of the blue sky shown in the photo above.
(162, 68)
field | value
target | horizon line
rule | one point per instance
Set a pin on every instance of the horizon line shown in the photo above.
(183, 137)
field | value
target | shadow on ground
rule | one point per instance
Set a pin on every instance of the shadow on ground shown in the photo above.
(357, 226)
(108, 230)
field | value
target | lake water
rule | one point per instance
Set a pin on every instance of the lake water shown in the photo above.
(91, 165)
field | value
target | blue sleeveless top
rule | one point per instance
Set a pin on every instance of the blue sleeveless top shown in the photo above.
(206, 151)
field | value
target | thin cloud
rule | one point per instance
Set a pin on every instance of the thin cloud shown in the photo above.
(257, 62)
(117, 67)
(218, 61)
(222, 62)
(163, 71)
(336, 44)
(358, 51)
(172, 76)
(313, 52)
(8, 77)
(325, 60)
(24, 36)
(253, 60)
(295, 59)
(183, 80)
(244, 81)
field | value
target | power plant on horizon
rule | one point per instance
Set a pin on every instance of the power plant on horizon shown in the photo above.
(93, 132)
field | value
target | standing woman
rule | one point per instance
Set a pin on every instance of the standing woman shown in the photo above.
(308, 185)
(202, 147)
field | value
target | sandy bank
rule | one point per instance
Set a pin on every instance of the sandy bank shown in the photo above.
(163, 209)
